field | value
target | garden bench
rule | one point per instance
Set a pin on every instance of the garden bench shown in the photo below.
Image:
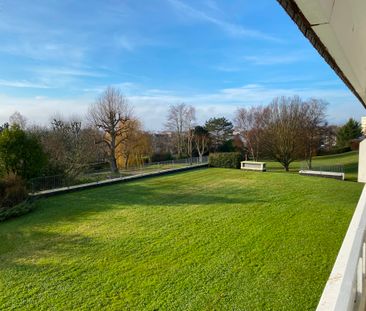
(253, 165)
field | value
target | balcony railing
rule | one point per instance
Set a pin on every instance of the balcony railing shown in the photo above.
(345, 289)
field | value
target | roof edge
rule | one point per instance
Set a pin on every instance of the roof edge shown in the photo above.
(303, 24)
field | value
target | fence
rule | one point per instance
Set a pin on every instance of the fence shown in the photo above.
(60, 181)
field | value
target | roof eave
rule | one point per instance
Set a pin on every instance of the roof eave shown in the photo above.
(303, 24)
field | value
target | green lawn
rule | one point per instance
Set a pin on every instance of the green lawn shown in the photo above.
(348, 159)
(213, 239)
(92, 177)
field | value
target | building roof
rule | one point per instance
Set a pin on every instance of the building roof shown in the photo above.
(337, 30)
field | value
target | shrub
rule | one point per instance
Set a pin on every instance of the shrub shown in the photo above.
(160, 157)
(17, 210)
(12, 191)
(336, 150)
(21, 153)
(225, 159)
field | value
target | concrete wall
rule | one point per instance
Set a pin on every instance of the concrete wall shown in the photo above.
(52, 192)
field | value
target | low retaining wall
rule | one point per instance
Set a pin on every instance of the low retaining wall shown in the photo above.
(52, 192)
(324, 174)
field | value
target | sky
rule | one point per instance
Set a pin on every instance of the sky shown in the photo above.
(57, 57)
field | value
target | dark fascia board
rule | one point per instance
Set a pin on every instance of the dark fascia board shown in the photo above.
(303, 24)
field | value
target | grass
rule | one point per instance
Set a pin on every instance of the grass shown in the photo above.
(348, 159)
(213, 239)
(91, 177)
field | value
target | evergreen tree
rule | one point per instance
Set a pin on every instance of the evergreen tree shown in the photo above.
(20, 153)
(221, 130)
(351, 130)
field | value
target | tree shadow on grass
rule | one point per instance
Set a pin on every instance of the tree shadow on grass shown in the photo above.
(30, 246)
(37, 264)
(73, 206)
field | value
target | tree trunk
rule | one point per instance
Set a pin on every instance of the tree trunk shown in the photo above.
(310, 158)
(113, 159)
(113, 163)
(200, 155)
(126, 162)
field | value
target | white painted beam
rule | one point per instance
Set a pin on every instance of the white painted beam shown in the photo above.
(362, 162)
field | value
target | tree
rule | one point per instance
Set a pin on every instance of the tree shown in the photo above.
(190, 118)
(21, 153)
(249, 123)
(239, 146)
(4, 127)
(314, 124)
(135, 147)
(180, 121)
(201, 140)
(351, 130)
(283, 125)
(18, 119)
(329, 137)
(221, 130)
(162, 145)
(110, 114)
(69, 146)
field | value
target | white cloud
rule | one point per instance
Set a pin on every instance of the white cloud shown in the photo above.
(40, 49)
(270, 59)
(151, 105)
(65, 71)
(230, 28)
(40, 109)
(130, 42)
(23, 84)
(125, 43)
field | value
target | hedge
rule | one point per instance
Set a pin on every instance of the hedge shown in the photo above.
(336, 150)
(225, 159)
(17, 210)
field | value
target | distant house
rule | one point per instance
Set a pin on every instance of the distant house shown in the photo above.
(363, 125)
(162, 142)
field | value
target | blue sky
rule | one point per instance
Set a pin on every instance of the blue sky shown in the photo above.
(58, 56)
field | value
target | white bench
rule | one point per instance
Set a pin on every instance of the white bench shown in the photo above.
(325, 174)
(253, 166)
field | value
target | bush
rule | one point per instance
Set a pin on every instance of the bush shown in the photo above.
(17, 210)
(21, 153)
(225, 159)
(12, 191)
(336, 150)
(14, 197)
(160, 157)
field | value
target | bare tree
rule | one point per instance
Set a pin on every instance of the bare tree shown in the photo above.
(287, 129)
(190, 118)
(110, 114)
(201, 139)
(314, 126)
(249, 123)
(18, 119)
(68, 143)
(180, 121)
(283, 123)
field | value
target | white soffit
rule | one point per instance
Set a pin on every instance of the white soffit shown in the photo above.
(341, 27)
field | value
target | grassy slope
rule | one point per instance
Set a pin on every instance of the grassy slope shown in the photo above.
(348, 159)
(215, 239)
